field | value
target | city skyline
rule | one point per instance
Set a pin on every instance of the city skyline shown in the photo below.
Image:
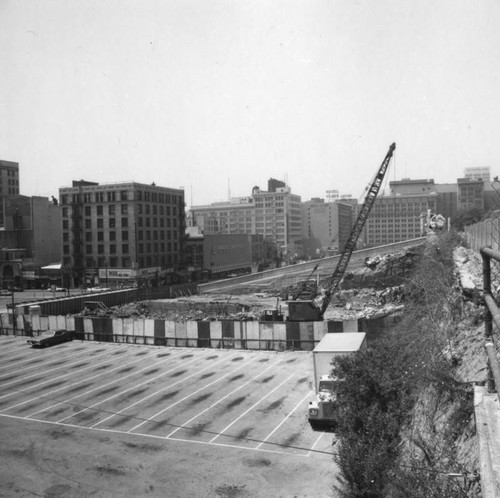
(214, 97)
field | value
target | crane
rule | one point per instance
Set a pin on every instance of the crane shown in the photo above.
(306, 310)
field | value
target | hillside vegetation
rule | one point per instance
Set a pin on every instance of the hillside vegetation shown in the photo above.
(407, 421)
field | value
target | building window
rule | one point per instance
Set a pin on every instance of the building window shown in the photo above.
(124, 208)
(88, 249)
(99, 197)
(124, 248)
(111, 196)
(88, 223)
(111, 209)
(124, 222)
(66, 249)
(112, 223)
(65, 224)
(87, 211)
(112, 249)
(100, 223)
(112, 235)
(99, 210)
(100, 236)
(65, 212)
(100, 249)
(124, 195)
(125, 235)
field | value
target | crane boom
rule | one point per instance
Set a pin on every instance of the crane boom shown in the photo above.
(303, 310)
(356, 230)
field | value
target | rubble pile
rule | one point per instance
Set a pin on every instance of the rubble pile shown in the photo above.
(197, 308)
(384, 271)
(375, 290)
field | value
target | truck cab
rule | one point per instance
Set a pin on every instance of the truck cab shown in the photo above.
(324, 409)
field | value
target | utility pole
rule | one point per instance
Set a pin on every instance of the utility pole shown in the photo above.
(13, 311)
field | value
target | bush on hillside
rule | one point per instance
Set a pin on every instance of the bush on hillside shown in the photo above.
(383, 384)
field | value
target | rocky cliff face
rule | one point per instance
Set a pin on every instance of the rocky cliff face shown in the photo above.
(441, 433)
(384, 271)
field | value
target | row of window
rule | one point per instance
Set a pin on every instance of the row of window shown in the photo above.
(100, 249)
(112, 223)
(141, 235)
(155, 247)
(122, 262)
(124, 208)
(122, 195)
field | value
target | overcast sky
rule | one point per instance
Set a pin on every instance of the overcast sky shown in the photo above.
(219, 96)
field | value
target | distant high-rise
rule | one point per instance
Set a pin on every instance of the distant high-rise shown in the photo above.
(478, 173)
(9, 183)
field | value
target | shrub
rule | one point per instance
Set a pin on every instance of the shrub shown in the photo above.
(383, 383)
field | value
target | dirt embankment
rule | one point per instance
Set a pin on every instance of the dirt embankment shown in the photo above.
(376, 289)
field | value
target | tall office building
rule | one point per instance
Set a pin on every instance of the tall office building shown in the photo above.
(328, 223)
(9, 183)
(398, 216)
(120, 232)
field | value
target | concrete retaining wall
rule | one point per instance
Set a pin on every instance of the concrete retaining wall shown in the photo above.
(224, 334)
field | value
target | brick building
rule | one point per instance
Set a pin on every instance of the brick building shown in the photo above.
(120, 233)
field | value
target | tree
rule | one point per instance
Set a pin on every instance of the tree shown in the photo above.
(466, 218)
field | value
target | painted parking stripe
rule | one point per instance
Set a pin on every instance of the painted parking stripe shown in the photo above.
(46, 395)
(179, 440)
(47, 371)
(148, 381)
(47, 355)
(221, 433)
(164, 389)
(220, 400)
(284, 420)
(315, 443)
(40, 366)
(100, 386)
(55, 378)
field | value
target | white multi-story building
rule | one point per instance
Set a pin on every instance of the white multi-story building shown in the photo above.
(275, 213)
(478, 173)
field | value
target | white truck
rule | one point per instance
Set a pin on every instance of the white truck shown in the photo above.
(322, 412)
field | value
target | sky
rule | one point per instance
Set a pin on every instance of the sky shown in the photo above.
(218, 96)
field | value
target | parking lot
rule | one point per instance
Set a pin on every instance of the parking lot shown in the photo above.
(223, 422)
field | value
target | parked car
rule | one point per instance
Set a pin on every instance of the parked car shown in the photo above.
(5, 292)
(61, 289)
(50, 337)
